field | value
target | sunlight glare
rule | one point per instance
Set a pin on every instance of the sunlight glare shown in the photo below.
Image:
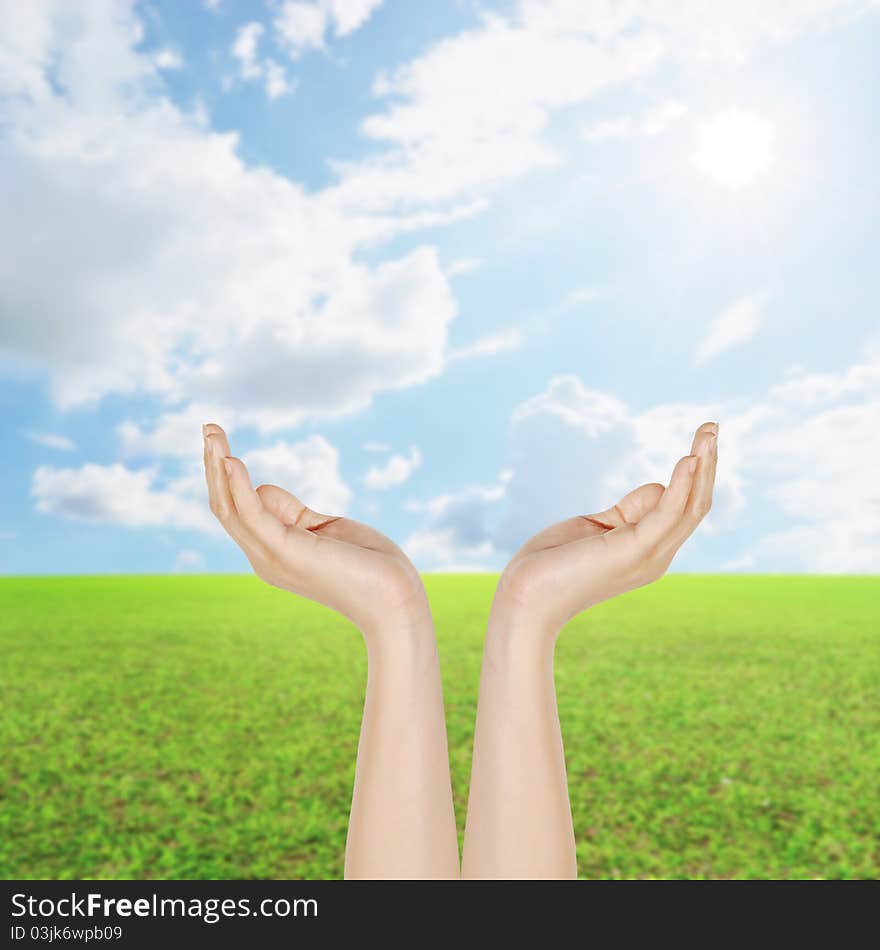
(734, 147)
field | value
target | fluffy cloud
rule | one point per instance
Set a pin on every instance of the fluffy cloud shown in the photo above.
(472, 113)
(176, 433)
(114, 494)
(796, 484)
(117, 494)
(205, 280)
(250, 66)
(168, 58)
(244, 49)
(818, 467)
(732, 327)
(309, 469)
(458, 530)
(304, 25)
(394, 472)
(202, 280)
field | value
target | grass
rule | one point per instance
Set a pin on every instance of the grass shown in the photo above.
(206, 727)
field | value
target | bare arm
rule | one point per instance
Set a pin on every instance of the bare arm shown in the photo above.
(402, 823)
(519, 816)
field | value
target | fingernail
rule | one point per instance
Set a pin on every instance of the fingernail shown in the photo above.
(713, 428)
(227, 464)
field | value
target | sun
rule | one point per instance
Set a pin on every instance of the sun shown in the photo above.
(734, 147)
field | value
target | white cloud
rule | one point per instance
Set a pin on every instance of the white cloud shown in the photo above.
(819, 470)
(654, 121)
(189, 561)
(350, 15)
(198, 265)
(52, 441)
(177, 433)
(734, 326)
(509, 339)
(245, 49)
(114, 494)
(206, 282)
(457, 534)
(472, 113)
(394, 472)
(202, 278)
(309, 469)
(168, 58)
(277, 83)
(304, 25)
(796, 480)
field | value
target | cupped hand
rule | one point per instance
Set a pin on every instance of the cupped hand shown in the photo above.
(576, 563)
(335, 561)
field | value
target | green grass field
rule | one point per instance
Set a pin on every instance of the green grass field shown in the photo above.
(206, 727)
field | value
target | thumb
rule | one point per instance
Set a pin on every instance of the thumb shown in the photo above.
(287, 508)
(631, 508)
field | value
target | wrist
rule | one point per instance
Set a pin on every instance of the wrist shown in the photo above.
(401, 640)
(516, 637)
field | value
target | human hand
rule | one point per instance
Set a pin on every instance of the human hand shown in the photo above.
(341, 563)
(576, 563)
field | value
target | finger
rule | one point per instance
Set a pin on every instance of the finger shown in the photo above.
(631, 508)
(706, 429)
(700, 501)
(218, 435)
(669, 510)
(254, 519)
(219, 494)
(289, 510)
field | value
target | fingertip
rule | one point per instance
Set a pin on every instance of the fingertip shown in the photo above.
(235, 467)
(211, 443)
(685, 466)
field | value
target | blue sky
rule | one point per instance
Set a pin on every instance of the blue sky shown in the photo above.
(455, 269)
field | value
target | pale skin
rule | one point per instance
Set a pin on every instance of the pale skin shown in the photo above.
(519, 816)
(402, 823)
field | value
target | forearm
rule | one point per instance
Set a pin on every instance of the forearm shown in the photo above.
(519, 816)
(402, 821)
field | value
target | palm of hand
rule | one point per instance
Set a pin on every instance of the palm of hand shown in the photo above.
(581, 561)
(341, 563)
